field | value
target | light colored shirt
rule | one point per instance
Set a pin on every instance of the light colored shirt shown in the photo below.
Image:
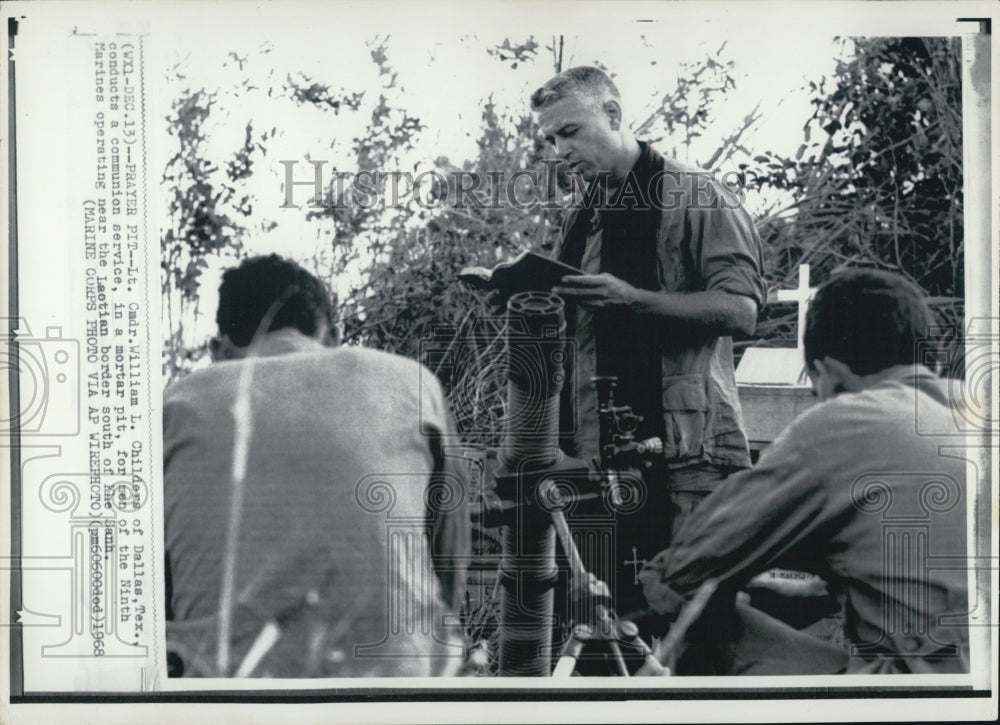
(338, 544)
(858, 491)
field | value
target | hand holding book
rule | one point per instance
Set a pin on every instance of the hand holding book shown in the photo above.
(528, 271)
(596, 290)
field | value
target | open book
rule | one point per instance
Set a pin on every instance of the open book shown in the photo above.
(525, 272)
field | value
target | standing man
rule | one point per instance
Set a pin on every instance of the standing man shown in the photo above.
(861, 490)
(310, 511)
(672, 268)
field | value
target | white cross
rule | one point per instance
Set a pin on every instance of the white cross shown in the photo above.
(800, 295)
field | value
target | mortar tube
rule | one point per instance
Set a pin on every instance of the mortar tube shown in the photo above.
(535, 343)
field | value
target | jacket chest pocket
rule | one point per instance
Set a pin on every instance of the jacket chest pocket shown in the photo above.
(685, 409)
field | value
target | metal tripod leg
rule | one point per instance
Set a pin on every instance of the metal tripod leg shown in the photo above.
(606, 629)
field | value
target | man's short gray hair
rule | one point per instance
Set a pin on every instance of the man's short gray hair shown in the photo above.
(581, 80)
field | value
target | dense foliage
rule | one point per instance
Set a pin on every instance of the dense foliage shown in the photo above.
(877, 181)
(878, 178)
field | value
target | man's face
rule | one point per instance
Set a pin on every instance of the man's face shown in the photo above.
(584, 134)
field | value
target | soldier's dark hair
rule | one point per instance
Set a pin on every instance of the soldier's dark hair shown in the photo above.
(867, 319)
(249, 290)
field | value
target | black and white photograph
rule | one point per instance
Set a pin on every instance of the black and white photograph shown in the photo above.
(499, 361)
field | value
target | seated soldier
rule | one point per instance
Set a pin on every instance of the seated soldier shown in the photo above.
(854, 491)
(314, 527)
